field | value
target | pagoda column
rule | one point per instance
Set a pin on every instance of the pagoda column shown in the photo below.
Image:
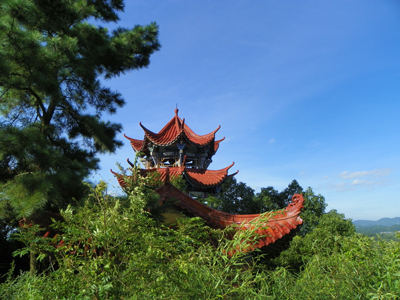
(153, 155)
(180, 146)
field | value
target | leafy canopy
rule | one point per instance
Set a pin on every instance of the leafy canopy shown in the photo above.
(53, 56)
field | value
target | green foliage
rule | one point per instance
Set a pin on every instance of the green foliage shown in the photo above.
(52, 99)
(387, 236)
(109, 249)
(322, 240)
(234, 198)
(270, 199)
(358, 269)
(180, 183)
(314, 209)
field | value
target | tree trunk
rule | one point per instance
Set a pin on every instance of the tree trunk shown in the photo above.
(32, 262)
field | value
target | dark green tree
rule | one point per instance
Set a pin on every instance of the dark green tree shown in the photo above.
(234, 197)
(287, 194)
(237, 197)
(314, 209)
(53, 58)
(270, 199)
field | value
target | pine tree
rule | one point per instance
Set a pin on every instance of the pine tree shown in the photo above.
(52, 59)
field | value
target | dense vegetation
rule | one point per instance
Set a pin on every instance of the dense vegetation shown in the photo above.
(112, 249)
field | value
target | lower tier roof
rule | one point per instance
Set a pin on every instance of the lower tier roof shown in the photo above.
(276, 226)
(197, 177)
(273, 230)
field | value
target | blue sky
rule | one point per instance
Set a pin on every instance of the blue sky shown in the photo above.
(305, 90)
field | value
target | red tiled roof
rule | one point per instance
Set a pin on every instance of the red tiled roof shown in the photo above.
(171, 132)
(197, 177)
(137, 145)
(173, 172)
(279, 224)
(209, 178)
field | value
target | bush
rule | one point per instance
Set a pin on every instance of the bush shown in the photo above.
(112, 249)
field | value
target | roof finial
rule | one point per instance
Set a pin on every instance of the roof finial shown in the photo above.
(176, 110)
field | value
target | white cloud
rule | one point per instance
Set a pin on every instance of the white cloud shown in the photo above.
(358, 174)
(339, 187)
(357, 181)
(349, 181)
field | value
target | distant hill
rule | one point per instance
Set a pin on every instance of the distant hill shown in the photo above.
(381, 222)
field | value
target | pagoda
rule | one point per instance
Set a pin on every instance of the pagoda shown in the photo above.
(177, 151)
(184, 153)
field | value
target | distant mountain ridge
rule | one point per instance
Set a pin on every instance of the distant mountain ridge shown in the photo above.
(380, 222)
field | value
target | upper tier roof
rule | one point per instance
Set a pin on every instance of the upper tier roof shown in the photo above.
(171, 132)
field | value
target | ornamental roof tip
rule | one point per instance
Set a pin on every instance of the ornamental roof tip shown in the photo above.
(230, 166)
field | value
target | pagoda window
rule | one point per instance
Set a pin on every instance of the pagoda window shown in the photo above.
(169, 159)
(191, 164)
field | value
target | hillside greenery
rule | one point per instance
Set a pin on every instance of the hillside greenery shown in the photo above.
(385, 233)
(380, 222)
(372, 230)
